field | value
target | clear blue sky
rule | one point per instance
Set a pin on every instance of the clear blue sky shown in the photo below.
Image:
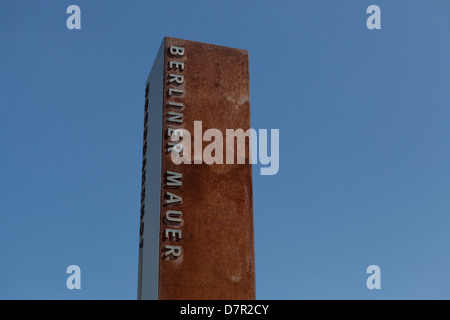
(364, 120)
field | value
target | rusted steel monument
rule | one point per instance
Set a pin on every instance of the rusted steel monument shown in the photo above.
(196, 234)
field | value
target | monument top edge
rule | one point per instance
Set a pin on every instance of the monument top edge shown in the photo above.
(204, 43)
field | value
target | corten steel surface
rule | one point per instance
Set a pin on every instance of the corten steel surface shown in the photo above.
(217, 241)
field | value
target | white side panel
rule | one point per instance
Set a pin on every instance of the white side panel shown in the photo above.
(149, 253)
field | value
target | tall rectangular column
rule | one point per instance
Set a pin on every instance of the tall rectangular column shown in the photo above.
(196, 235)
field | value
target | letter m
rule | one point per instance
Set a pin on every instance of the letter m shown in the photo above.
(172, 179)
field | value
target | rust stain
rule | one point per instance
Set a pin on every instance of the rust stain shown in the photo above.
(217, 260)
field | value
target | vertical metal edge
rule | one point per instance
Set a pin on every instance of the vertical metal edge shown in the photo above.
(148, 278)
(160, 181)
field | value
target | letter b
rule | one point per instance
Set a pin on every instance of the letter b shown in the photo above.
(176, 51)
